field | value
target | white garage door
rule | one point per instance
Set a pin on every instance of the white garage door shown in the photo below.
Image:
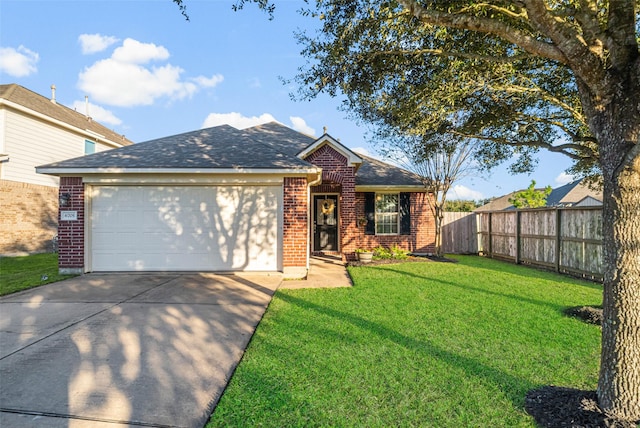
(181, 228)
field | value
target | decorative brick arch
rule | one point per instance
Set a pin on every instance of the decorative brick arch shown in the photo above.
(332, 177)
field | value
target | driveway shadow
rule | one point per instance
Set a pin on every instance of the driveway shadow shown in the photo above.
(151, 350)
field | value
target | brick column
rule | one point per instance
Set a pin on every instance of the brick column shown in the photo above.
(295, 231)
(423, 226)
(71, 232)
(348, 227)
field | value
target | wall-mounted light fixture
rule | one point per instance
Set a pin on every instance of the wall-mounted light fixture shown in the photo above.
(64, 199)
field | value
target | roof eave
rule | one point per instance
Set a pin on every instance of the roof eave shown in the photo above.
(390, 188)
(68, 172)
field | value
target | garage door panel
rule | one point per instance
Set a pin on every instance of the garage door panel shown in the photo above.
(185, 228)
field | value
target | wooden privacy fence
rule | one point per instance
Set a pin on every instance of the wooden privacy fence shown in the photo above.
(459, 233)
(567, 240)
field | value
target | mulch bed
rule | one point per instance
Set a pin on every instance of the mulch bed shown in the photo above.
(589, 314)
(557, 407)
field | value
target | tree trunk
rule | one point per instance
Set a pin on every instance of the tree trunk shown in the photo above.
(619, 382)
(438, 217)
(616, 123)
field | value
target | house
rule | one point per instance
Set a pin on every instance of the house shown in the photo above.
(34, 130)
(223, 199)
(574, 194)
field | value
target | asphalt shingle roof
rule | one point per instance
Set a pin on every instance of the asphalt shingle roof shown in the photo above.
(218, 147)
(36, 102)
(280, 138)
(268, 146)
(572, 193)
(373, 172)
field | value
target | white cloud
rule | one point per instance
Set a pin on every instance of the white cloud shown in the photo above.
(97, 113)
(255, 83)
(93, 43)
(564, 178)
(207, 82)
(135, 52)
(463, 192)
(300, 125)
(122, 80)
(18, 62)
(236, 120)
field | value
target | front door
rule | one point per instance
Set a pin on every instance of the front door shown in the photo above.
(325, 223)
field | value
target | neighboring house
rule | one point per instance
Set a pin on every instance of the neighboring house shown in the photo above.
(574, 194)
(501, 203)
(223, 199)
(36, 130)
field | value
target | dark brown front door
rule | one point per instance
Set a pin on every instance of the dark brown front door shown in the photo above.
(325, 223)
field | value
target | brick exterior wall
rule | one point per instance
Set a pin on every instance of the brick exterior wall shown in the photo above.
(338, 176)
(71, 233)
(295, 240)
(28, 217)
(423, 227)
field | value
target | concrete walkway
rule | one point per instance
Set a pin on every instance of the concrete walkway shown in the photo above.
(112, 350)
(324, 272)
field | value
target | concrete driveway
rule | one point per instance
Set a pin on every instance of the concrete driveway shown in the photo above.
(108, 350)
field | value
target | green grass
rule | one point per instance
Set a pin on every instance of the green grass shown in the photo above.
(20, 273)
(415, 344)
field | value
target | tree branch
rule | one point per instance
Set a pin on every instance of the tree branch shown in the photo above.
(486, 25)
(585, 64)
(562, 148)
(442, 53)
(621, 43)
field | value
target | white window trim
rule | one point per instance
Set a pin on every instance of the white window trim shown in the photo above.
(397, 194)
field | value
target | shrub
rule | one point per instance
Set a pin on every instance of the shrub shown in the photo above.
(394, 252)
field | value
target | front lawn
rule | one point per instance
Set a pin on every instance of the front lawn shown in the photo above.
(415, 344)
(20, 273)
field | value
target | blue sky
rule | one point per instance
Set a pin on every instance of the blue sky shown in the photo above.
(148, 73)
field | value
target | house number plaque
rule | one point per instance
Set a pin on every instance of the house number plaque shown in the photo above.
(68, 215)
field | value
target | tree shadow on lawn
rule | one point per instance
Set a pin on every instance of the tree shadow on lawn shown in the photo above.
(551, 406)
(509, 384)
(520, 299)
(523, 270)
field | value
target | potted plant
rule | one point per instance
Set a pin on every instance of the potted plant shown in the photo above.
(364, 256)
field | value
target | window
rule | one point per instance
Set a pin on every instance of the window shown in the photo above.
(387, 214)
(89, 147)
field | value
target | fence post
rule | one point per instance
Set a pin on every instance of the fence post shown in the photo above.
(558, 236)
(489, 243)
(518, 237)
(478, 221)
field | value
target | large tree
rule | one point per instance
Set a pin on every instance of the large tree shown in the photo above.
(519, 76)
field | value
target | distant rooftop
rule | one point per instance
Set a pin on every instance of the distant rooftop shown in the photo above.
(49, 107)
(571, 194)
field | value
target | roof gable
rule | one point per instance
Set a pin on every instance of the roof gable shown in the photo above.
(327, 140)
(21, 97)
